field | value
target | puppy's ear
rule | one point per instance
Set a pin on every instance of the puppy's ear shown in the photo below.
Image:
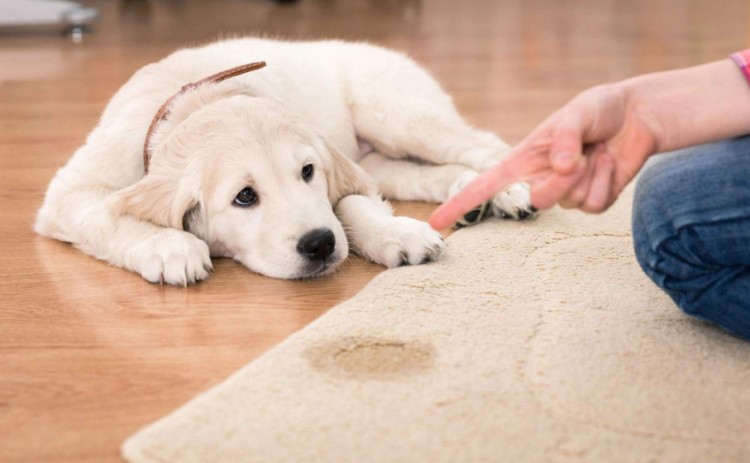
(193, 221)
(162, 200)
(345, 177)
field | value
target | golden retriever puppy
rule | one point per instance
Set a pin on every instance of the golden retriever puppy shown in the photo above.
(277, 167)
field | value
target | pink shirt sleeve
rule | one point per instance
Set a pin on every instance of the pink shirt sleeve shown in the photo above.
(742, 59)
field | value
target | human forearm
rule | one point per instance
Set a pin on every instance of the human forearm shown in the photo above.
(693, 105)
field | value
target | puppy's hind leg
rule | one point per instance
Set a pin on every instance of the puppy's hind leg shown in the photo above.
(407, 127)
(399, 126)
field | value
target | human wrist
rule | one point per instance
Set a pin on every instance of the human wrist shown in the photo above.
(642, 108)
(691, 106)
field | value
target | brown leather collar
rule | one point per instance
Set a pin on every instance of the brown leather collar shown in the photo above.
(164, 110)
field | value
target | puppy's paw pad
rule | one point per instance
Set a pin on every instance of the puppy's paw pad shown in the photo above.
(474, 216)
(513, 203)
(173, 257)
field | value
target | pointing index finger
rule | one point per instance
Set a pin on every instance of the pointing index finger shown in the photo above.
(480, 190)
(523, 161)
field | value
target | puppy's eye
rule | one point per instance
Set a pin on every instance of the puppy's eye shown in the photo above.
(307, 172)
(246, 197)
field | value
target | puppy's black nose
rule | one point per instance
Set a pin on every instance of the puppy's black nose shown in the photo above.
(318, 244)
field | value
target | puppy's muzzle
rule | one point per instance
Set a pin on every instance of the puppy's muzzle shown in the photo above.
(317, 245)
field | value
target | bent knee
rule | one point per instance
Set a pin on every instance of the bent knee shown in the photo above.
(680, 261)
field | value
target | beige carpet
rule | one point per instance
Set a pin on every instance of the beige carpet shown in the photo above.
(526, 342)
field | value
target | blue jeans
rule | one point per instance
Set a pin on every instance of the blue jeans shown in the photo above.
(691, 228)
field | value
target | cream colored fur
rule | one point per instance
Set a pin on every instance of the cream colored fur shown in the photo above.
(364, 117)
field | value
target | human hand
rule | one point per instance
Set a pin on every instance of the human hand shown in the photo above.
(580, 157)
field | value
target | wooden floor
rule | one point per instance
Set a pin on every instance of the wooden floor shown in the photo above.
(89, 353)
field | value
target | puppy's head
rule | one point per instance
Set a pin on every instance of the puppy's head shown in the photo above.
(254, 182)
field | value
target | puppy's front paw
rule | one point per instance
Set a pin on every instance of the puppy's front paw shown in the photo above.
(513, 203)
(173, 257)
(403, 241)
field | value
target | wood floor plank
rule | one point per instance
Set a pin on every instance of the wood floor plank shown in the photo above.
(89, 353)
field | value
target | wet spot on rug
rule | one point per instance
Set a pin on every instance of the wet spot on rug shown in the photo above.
(372, 358)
